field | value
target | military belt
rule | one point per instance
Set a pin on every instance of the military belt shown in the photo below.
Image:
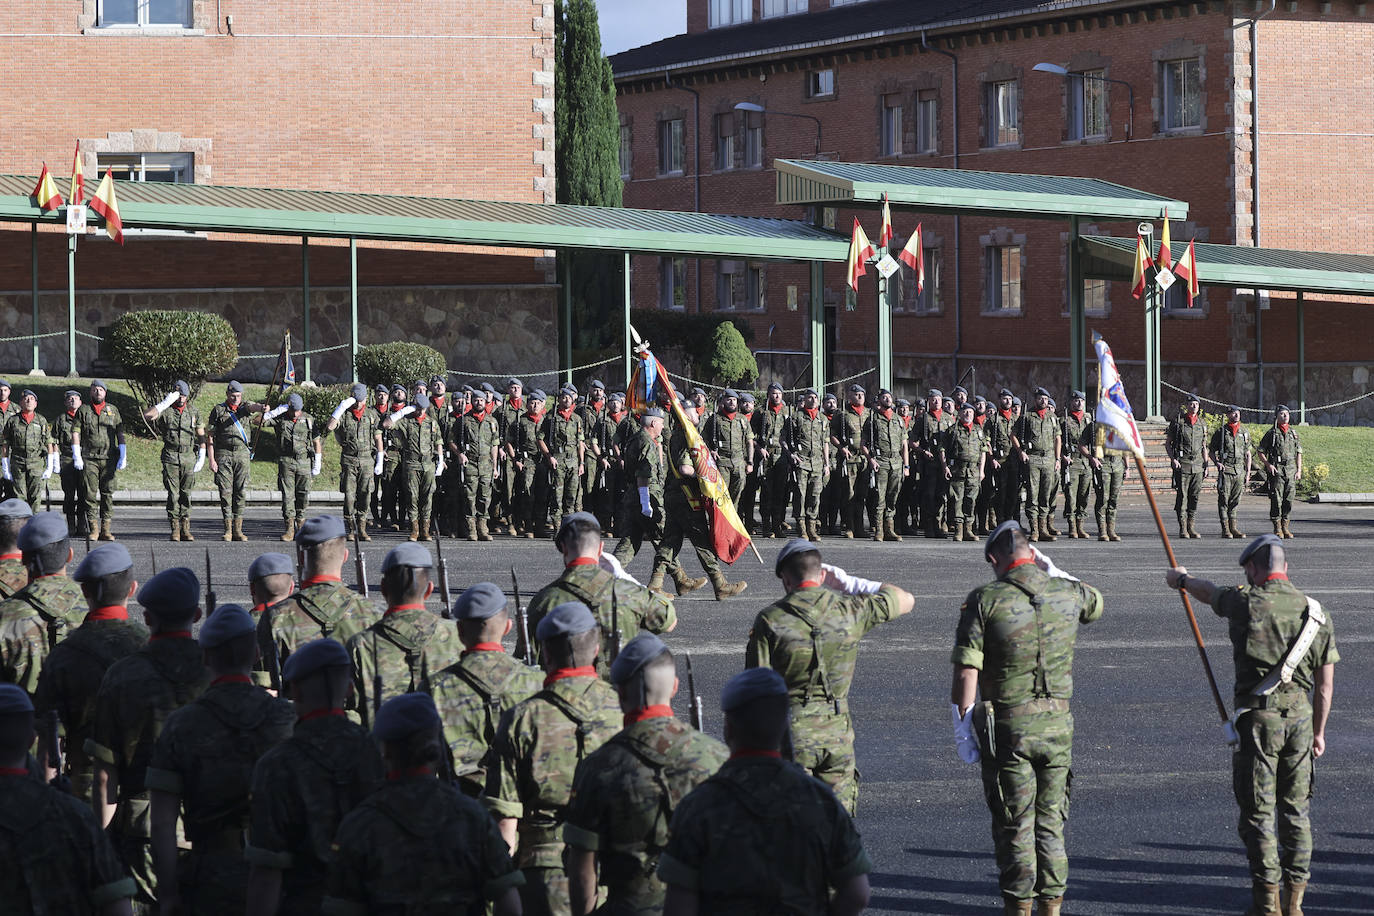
(225, 841)
(820, 706)
(1031, 707)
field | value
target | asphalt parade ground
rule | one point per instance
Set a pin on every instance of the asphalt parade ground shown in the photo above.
(1152, 822)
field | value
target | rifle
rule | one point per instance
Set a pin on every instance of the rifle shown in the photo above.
(54, 752)
(446, 610)
(522, 623)
(376, 680)
(47, 496)
(152, 555)
(359, 564)
(694, 708)
(462, 448)
(209, 587)
(615, 627)
(872, 450)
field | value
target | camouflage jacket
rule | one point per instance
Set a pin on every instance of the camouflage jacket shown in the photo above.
(806, 439)
(563, 436)
(295, 438)
(538, 746)
(181, 432)
(472, 695)
(846, 428)
(999, 429)
(357, 435)
(418, 441)
(928, 433)
(325, 609)
(619, 605)
(62, 428)
(885, 436)
(962, 449)
(769, 428)
(522, 435)
(27, 440)
(1282, 449)
(401, 649)
(1036, 434)
(32, 621)
(731, 438)
(1263, 621)
(1019, 632)
(623, 798)
(13, 575)
(644, 457)
(1077, 431)
(1231, 451)
(480, 438)
(1187, 444)
(99, 431)
(227, 428)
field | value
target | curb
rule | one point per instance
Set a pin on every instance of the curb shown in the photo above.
(1351, 499)
(211, 497)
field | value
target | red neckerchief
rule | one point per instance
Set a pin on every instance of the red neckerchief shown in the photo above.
(581, 561)
(560, 673)
(257, 609)
(109, 612)
(71, 414)
(536, 415)
(394, 775)
(728, 416)
(1234, 428)
(485, 647)
(906, 422)
(886, 412)
(181, 408)
(4, 406)
(357, 413)
(26, 416)
(396, 608)
(420, 417)
(937, 414)
(809, 583)
(776, 755)
(1040, 412)
(321, 714)
(11, 556)
(1192, 420)
(568, 413)
(515, 402)
(1006, 414)
(968, 425)
(980, 418)
(396, 406)
(231, 679)
(658, 711)
(616, 416)
(322, 577)
(857, 408)
(1283, 428)
(1272, 576)
(776, 408)
(811, 412)
(1077, 415)
(437, 401)
(1022, 562)
(382, 409)
(98, 408)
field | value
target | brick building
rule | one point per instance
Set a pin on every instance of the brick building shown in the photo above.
(451, 99)
(875, 80)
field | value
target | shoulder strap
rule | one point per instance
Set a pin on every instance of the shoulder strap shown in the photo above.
(591, 598)
(326, 626)
(1042, 686)
(1312, 619)
(584, 728)
(818, 677)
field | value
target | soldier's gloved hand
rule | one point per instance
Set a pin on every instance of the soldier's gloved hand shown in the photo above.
(167, 401)
(609, 563)
(644, 507)
(47, 468)
(5, 469)
(275, 412)
(964, 742)
(403, 412)
(1048, 566)
(123, 457)
(315, 465)
(841, 581)
(76, 458)
(439, 466)
(343, 405)
(377, 468)
(200, 461)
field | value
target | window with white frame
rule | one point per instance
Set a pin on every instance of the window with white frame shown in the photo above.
(175, 168)
(670, 146)
(1004, 278)
(891, 134)
(820, 83)
(729, 12)
(1087, 104)
(927, 109)
(672, 283)
(1181, 88)
(753, 139)
(773, 8)
(1004, 113)
(725, 141)
(625, 137)
(144, 13)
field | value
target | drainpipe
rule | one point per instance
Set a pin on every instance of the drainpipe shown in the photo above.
(958, 264)
(1253, 26)
(696, 161)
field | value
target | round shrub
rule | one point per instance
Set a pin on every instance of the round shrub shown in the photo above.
(399, 361)
(156, 348)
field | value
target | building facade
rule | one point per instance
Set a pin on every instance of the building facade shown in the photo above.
(422, 98)
(1155, 96)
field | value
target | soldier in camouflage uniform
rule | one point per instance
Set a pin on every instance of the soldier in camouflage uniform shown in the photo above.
(621, 606)
(1077, 428)
(477, 457)
(71, 674)
(323, 606)
(1037, 440)
(271, 580)
(73, 481)
(851, 462)
(625, 792)
(888, 460)
(379, 410)
(393, 484)
(963, 453)
(417, 845)
(1003, 460)
(614, 422)
(27, 449)
(97, 436)
(227, 446)
(1109, 475)
(761, 836)
(420, 445)
(1285, 655)
(136, 696)
(811, 637)
(508, 412)
(731, 440)
(538, 747)
(57, 859)
(1282, 454)
(8, 408)
(807, 443)
(1186, 444)
(830, 508)
(202, 768)
(36, 617)
(177, 422)
(930, 431)
(526, 493)
(397, 653)
(303, 787)
(299, 455)
(361, 454)
(591, 413)
(563, 443)
(14, 514)
(1230, 451)
(773, 472)
(1015, 642)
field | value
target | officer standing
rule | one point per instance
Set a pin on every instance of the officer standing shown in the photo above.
(563, 443)
(478, 455)
(379, 410)
(1003, 460)
(393, 484)
(33, 619)
(29, 454)
(1037, 440)
(1285, 656)
(227, 447)
(361, 455)
(613, 422)
(591, 414)
(1187, 447)
(8, 408)
(811, 637)
(731, 440)
(625, 792)
(99, 432)
(807, 442)
(930, 432)
(773, 469)
(299, 456)
(73, 481)
(851, 461)
(271, 580)
(1109, 475)
(963, 451)
(523, 484)
(888, 461)
(420, 445)
(177, 422)
(14, 514)
(1282, 454)
(1230, 451)
(1077, 427)
(1023, 727)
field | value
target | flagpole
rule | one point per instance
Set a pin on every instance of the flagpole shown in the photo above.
(280, 369)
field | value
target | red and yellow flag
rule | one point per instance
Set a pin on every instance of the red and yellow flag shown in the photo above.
(913, 255)
(1166, 257)
(45, 192)
(106, 205)
(78, 191)
(885, 233)
(1186, 270)
(860, 250)
(1142, 264)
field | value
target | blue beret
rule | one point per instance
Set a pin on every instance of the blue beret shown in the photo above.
(43, 529)
(747, 397)
(1233, 407)
(407, 554)
(421, 401)
(479, 602)
(598, 385)
(1006, 393)
(95, 383)
(903, 402)
(883, 391)
(1258, 544)
(294, 402)
(71, 393)
(175, 589)
(312, 656)
(637, 653)
(1016, 402)
(567, 619)
(572, 519)
(481, 396)
(270, 564)
(183, 388)
(935, 393)
(229, 621)
(359, 392)
(1078, 394)
(617, 395)
(4, 384)
(28, 393)
(1282, 408)
(729, 393)
(1009, 525)
(397, 387)
(103, 561)
(568, 390)
(382, 389)
(420, 383)
(486, 386)
(514, 381)
(772, 385)
(402, 716)
(14, 700)
(234, 386)
(1042, 391)
(791, 549)
(437, 380)
(15, 508)
(811, 392)
(653, 412)
(856, 388)
(467, 389)
(751, 684)
(1192, 396)
(959, 388)
(538, 395)
(979, 399)
(319, 529)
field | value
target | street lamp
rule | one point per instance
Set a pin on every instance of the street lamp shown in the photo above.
(750, 106)
(1130, 92)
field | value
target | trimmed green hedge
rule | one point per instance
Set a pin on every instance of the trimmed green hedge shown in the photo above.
(156, 348)
(399, 361)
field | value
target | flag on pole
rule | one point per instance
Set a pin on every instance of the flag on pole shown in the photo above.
(1115, 422)
(913, 255)
(1142, 264)
(105, 203)
(1186, 268)
(645, 390)
(860, 250)
(885, 233)
(286, 369)
(78, 192)
(45, 192)
(1166, 257)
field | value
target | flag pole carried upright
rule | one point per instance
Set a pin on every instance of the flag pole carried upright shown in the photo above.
(1116, 430)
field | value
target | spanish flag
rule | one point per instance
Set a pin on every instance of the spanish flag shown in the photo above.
(78, 192)
(1186, 270)
(1142, 264)
(1166, 257)
(106, 205)
(45, 192)
(913, 255)
(860, 250)
(885, 233)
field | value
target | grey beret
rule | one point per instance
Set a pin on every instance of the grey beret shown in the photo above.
(747, 397)
(314, 655)
(420, 383)
(538, 395)
(43, 529)
(569, 390)
(15, 508)
(175, 589)
(856, 388)
(95, 383)
(71, 393)
(466, 389)
(487, 387)
(14, 700)
(772, 385)
(1258, 544)
(234, 387)
(382, 389)
(402, 716)
(935, 393)
(319, 529)
(979, 399)
(996, 533)
(729, 393)
(359, 392)
(567, 619)
(103, 561)
(811, 392)
(514, 381)
(903, 402)
(791, 549)
(1006, 393)
(1042, 391)
(421, 401)
(4, 384)
(637, 653)
(397, 386)
(571, 519)
(270, 564)
(479, 602)
(437, 380)
(1282, 408)
(1192, 396)
(598, 385)
(407, 554)
(229, 621)
(653, 412)
(27, 393)
(295, 402)
(698, 391)
(831, 396)
(751, 684)
(883, 391)
(183, 388)
(1234, 407)
(482, 396)
(1016, 402)
(959, 388)
(1077, 394)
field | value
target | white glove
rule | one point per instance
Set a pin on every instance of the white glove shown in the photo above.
(315, 465)
(842, 581)
(439, 466)
(343, 405)
(76, 458)
(403, 412)
(167, 401)
(200, 461)
(609, 563)
(123, 457)
(644, 503)
(964, 742)
(54, 463)
(1048, 566)
(5, 469)
(275, 412)
(47, 468)
(377, 468)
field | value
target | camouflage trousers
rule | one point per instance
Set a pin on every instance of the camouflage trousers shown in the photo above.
(232, 481)
(732, 480)
(355, 483)
(565, 486)
(963, 494)
(681, 521)
(1076, 493)
(1189, 489)
(1026, 782)
(823, 745)
(476, 502)
(1009, 490)
(934, 492)
(28, 480)
(1041, 471)
(177, 479)
(1281, 487)
(1107, 493)
(1230, 484)
(293, 482)
(810, 485)
(419, 484)
(1272, 778)
(889, 487)
(545, 892)
(212, 884)
(100, 474)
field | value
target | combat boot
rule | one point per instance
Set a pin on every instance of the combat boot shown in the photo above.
(891, 528)
(1082, 535)
(107, 535)
(656, 582)
(1235, 529)
(176, 528)
(1278, 530)
(1048, 906)
(878, 533)
(1049, 524)
(1283, 522)
(290, 532)
(186, 528)
(726, 589)
(1014, 907)
(1192, 528)
(238, 529)
(362, 529)
(1291, 900)
(683, 583)
(228, 530)
(1102, 527)
(1047, 533)
(1264, 900)
(482, 533)
(1111, 529)
(815, 531)
(415, 531)
(1032, 529)
(968, 531)
(1182, 527)
(93, 526)
(1225, 528)
(424, 530)
(471, 528)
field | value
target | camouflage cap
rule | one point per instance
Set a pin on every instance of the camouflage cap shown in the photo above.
(103, 561)
(1258, 544)
(751, 684)
(229, 621)
(567, 619)
(402, 716)
(479, 602)
(637, 653)
(314, 655)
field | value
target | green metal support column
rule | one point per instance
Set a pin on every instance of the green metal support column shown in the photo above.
(1302, 362)
(628, 346)
(305, 301)
(1077, 323)
(884, 331)
(71, 305)
(33, 270)
(353, 305)
(565, 349)
(816, 319)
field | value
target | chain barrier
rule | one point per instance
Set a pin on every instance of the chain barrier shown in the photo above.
(706, 386)
(1269, 411)
(33, 336)
(523, 375)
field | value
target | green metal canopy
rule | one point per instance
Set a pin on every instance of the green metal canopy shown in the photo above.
(808, 182)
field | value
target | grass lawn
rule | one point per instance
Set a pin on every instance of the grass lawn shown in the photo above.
(1347, 450)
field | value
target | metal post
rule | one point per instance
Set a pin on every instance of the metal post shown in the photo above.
(816, 319)
(1259, 349)
(353, 305)
(629, 352)
(1302, 363)
(1077, 322)
(305, 301)
(33, 268)
(71, 305)
(565, 348)
(1152, 410)
(884, 331)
